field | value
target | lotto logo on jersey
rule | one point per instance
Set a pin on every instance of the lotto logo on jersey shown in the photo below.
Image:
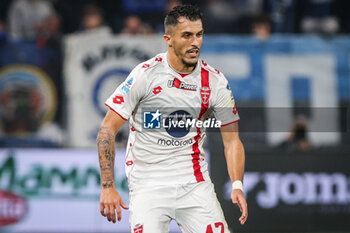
(152, 120)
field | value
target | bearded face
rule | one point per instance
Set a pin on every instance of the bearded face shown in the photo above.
(185, 41)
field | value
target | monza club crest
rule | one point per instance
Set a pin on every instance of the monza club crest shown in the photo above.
(205, 94)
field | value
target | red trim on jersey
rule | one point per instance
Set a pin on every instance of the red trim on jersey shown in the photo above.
(115, 112)
(195, 158)
(204, 107)
(183, 75)
(205, 85)
(230, 123)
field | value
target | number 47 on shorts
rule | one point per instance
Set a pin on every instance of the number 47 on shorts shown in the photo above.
(217, 225)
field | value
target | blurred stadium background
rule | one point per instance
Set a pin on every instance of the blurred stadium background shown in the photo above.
(288, 64)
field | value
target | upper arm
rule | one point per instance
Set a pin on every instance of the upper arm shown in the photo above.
(223, 103)
(113, 122)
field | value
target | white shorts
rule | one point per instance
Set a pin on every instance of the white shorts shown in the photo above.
(194, 207)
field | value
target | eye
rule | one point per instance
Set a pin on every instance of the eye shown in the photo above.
(187, 35)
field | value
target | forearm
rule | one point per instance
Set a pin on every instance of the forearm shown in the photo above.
(235, 159)
(106, 155)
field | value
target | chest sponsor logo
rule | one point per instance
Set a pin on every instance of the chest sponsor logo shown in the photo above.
(181, 85)
(174, 142)
(205, 94)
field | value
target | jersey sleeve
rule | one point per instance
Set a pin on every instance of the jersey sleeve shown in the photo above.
(224, 104)
(128, 94)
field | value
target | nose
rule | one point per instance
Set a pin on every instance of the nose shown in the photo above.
(196, 42)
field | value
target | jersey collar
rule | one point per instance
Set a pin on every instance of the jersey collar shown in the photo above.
(176, 74)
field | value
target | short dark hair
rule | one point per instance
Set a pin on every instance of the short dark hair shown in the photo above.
(188, 11)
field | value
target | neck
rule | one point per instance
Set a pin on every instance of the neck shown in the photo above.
(177, 64)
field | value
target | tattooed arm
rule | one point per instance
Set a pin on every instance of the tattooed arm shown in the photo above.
(110, 199)
(106, 155)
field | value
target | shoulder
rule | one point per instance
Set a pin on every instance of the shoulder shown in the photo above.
(146, 68)
(214, 74)
(152, 63)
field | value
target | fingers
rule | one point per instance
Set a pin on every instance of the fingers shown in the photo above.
(238, 198)
(109, 204)
(108, 211)
(243, 219)
(119, 212)
(111, 213)
(244, 210)
(122, 204)
(102, 209)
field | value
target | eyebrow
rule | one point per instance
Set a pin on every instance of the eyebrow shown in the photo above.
(188, 32)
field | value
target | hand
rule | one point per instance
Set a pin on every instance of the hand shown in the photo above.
(109, 201)
(238, 198)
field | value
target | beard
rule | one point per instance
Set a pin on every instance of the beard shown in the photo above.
(189, 64)
(181, 56)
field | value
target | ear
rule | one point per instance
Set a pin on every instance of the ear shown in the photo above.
(167, 39)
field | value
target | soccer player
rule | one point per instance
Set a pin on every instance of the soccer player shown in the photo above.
(165, 167)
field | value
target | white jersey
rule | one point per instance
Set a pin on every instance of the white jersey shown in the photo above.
(152, 98)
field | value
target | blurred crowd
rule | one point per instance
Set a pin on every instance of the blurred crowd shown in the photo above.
(47, 20)
(43, 23)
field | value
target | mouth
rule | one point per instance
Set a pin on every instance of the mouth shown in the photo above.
(193, 52)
